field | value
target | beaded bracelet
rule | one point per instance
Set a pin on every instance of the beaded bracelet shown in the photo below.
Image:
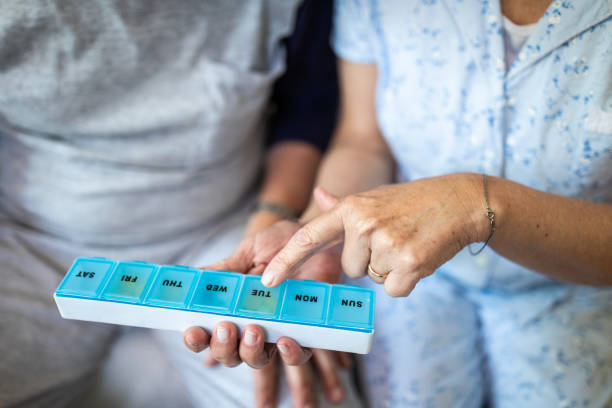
(281, 210)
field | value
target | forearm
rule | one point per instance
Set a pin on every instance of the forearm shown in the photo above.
(358, 158)
(349, 168)
(290, 170)
(565, 238)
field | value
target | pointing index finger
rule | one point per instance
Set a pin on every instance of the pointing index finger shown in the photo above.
(306, 241)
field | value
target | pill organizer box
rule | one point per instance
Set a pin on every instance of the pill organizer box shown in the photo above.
(174, 297)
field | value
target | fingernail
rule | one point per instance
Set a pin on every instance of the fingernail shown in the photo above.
(250, 338)
(222, 334)
(337, 394)
(193, 344)
(267, 279)
(282, 348)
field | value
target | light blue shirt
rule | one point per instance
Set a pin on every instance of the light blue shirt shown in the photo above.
(446, 103)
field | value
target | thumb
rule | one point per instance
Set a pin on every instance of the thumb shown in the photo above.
(325, 200)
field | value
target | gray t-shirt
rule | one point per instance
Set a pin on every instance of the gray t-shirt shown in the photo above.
(127, 122)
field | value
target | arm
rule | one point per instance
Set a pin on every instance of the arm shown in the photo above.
(407, 231)
(290, 169)
(359, 158)
(562, 237)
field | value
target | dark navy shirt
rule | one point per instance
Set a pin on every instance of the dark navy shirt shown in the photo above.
(305, 98)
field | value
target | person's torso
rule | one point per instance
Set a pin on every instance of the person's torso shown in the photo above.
(130, 121)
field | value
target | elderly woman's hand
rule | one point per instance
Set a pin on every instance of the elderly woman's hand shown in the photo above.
(403, 231)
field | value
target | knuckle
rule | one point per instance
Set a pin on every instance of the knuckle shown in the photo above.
(282, 261)
(365, 226)
(350, 202)
(412, 259)
(388, 238)
(304, 237)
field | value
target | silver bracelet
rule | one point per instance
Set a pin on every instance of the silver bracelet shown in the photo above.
(490, 214)
(279, 209)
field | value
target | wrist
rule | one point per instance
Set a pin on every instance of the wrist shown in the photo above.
(478, 228)
(259, 221)
(289, 174)
(267, 213)
(277, 208)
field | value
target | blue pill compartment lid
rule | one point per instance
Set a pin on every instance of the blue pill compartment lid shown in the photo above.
(172, 286)
(257, 300)
(216, 291)
(86, 277)
(351, 306)
(129, 281)
(305, 302)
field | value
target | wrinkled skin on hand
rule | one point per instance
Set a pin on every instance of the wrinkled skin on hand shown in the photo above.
(255, 252)
(403, 231)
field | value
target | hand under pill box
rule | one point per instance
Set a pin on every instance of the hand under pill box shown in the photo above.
(315, 314)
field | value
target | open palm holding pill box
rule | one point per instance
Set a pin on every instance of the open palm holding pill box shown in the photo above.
(315, 314)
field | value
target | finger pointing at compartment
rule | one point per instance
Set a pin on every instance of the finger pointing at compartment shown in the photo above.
(302, 245)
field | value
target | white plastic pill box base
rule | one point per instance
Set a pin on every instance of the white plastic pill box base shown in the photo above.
(175, 319)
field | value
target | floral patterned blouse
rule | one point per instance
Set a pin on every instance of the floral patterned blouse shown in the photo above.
(446, 102)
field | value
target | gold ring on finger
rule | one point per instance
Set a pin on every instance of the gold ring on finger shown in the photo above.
(372, 272)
